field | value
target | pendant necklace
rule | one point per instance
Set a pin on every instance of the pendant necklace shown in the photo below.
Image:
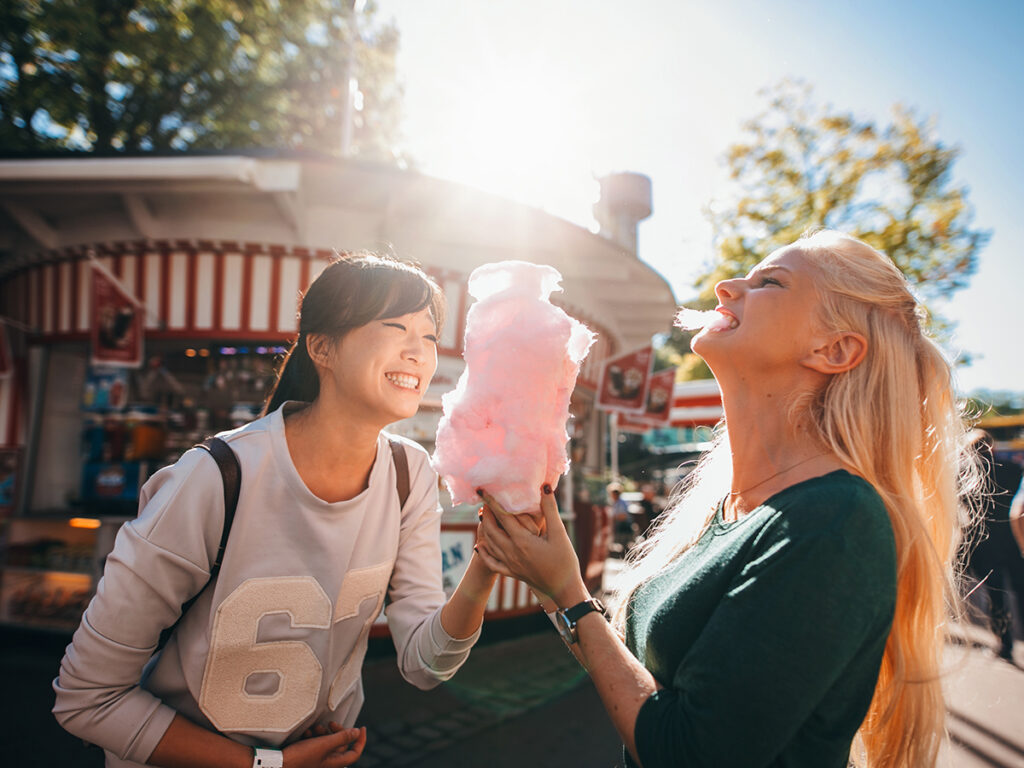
(734, 494)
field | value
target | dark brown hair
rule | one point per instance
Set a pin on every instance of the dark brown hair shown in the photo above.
(352, 291)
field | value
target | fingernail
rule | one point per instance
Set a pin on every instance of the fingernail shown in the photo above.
(480, 515)
(547, 488)
(480, 492)
(475, 548)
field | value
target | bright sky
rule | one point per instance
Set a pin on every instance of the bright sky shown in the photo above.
(532, 99)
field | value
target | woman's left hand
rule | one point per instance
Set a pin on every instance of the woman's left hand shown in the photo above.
(330, 746)
(544, 558)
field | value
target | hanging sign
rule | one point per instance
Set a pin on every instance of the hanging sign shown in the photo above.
(624, 381)
(116, 327)
(658, 408)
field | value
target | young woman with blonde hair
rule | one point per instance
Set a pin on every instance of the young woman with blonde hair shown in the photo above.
(789, 608)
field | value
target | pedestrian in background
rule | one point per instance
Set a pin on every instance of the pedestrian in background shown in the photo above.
(788, 610)
(624, 528)
(650, 506)
(995, 561)
(265, 667)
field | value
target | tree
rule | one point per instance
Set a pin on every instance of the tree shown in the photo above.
(156, 75)
(802, 165)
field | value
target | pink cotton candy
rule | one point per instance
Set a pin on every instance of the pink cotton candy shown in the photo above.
(503, 427)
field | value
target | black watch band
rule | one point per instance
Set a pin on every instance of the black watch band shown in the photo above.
(566, 620)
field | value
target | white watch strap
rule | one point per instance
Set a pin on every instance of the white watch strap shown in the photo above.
(268, 758)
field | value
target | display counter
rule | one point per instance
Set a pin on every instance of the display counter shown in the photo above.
(50, 569)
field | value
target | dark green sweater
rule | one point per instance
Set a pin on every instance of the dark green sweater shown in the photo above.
(768, 634)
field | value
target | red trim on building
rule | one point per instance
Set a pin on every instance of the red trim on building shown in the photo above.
(140, 277)
(165, 287)
(275, 290)
(304, 270)
(218, 289)
(55, 309)
(696, 402)
(75, 288)
(191, 267)
(246, 291)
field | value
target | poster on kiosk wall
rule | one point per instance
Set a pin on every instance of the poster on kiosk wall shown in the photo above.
(116, 327)
(624, 381)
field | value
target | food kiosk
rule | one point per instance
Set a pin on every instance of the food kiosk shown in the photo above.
(213, 253)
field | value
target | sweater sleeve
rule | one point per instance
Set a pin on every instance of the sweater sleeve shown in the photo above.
(427, 654)
(159, 561)
(813, 602)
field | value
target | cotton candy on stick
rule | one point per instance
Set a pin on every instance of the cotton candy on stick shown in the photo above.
(503, 426)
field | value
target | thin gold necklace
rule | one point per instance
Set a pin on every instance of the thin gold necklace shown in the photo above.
(734, 494)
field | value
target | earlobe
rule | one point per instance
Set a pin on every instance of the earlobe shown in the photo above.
(842, 352)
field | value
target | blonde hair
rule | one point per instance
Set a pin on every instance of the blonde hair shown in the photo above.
(895, 421)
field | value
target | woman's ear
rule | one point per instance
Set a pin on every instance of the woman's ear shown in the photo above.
(319, 347)
(841, 352)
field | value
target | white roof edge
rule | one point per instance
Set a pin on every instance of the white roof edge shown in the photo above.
(264, 174)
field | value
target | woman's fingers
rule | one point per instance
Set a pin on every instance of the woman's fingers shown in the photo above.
(341, 758)
(549, 511)
(529, 522)
(490, 501)
(491, 528)
(496, 566)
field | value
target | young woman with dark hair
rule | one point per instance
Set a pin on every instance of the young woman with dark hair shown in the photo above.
(265, 667)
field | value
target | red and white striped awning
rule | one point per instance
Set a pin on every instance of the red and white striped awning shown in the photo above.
(200, 290)
(694, 404)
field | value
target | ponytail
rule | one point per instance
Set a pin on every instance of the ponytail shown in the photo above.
(297, 379)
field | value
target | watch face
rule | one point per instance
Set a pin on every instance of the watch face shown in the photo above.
(565, 628)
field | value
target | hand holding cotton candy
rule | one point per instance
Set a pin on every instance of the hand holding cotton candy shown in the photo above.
(503, 426)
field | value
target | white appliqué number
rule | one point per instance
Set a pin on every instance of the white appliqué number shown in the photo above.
(235, 655)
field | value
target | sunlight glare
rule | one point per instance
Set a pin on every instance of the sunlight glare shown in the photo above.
(519, 133)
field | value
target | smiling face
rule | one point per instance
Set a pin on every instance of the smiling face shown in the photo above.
(769, 318)
(381, 370)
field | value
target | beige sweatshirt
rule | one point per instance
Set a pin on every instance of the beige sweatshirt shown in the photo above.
(276, 644)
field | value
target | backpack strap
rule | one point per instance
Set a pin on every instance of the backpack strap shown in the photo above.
(401, 469)
(231, 474)
(231, 477)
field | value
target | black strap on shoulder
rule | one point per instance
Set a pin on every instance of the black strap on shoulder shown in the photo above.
(402, 470)
(231, 476)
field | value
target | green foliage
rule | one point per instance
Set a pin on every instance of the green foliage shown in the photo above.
(984, 403)
(150, 75)
(673, 348)
(802, 165)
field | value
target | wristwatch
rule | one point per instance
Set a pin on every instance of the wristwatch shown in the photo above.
(565, 621)
(267, 758)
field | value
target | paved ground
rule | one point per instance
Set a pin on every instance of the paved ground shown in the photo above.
(518, 701)
(985, 702)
